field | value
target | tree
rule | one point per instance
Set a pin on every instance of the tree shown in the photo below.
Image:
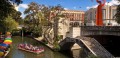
(35, 18)
(40, 16)
(117, 15)
(57, 12)
(54, 17)
(17, 17)
(10, 24)
(7, 8)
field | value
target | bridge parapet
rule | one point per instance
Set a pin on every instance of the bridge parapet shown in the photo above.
(100, 30)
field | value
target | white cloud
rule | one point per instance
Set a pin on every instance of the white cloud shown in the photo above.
(88, 7)
(16, 8)
(94, 6)
(66, 8)
(112, 2)
(23, 6)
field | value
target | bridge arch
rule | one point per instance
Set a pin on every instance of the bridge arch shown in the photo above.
(68, 43)
(88, 44)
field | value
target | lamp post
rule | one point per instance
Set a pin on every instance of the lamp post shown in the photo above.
(22, 30)
(22, 33)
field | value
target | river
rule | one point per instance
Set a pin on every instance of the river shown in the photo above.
(16, 53)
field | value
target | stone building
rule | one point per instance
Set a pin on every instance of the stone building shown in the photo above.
(108, 15)
(72, 18)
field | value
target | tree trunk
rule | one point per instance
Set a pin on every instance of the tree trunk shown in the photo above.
(55, 28)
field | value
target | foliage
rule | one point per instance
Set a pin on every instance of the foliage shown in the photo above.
(56, 14)
(2, 28)
(56, 46)
(53, 14)
(7, 8)
(17, 16)
(117, 15)
(40, 16)
(16, 32)
(35, 18)
(10, 24)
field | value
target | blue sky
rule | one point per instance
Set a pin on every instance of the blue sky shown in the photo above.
(67, 4)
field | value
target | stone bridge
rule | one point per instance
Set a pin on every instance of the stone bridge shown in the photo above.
(88, 44)
(100, 30)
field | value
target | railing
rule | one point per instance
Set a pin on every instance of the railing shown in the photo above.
(102, 28)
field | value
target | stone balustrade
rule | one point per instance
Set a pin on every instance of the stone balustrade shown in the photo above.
(100, 30)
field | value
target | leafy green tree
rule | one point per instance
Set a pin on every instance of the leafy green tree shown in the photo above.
(35, 18)
(17, 17)
(40, 16)
(7, 9)
(55, 15)
(10, 24)
(117, 15)
(56, 10)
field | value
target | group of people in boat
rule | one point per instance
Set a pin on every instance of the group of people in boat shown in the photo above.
(31, 47)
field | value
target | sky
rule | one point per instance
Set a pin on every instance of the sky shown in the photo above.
(83, 5)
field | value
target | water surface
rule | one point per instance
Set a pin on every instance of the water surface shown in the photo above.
(16, 53)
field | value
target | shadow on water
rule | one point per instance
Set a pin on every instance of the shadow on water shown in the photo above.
(15, 53)
(80, 53)
(68, 53)
(76, 53)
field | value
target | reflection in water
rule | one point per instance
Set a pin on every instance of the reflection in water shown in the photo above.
(79, 53)
(76, 53)
(15, 53)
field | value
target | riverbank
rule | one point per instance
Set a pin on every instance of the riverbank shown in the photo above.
(39, 39)
(75, 46)
(69, 54)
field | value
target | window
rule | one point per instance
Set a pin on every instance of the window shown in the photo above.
(104, 13)
(113, 12)
(90, 15)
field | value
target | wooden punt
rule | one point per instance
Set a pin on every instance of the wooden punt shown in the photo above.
(6, 53)
(31, 51)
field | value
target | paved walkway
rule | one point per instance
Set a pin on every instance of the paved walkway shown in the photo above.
(39, 38)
